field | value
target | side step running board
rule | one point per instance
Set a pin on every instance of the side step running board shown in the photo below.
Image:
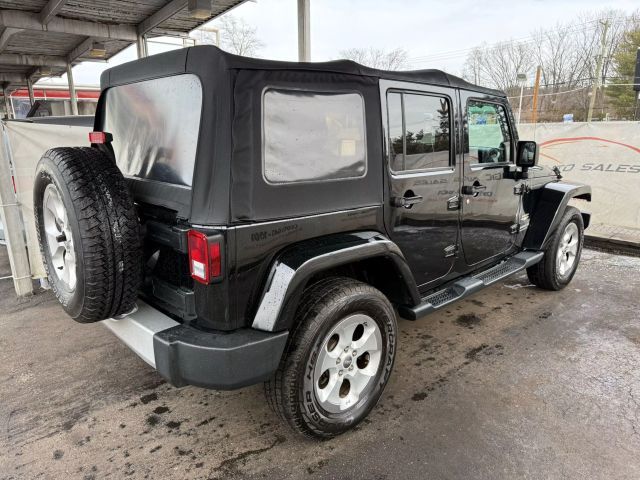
(467, 285)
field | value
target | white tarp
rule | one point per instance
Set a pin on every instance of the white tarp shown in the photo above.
(605, 155)
(27, 143)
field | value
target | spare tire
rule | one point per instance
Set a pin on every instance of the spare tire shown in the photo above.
(88, 233)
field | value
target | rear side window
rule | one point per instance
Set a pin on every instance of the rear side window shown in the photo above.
(419, 131)
(155, 126)
(313, 136)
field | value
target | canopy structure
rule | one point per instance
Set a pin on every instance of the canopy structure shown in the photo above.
(42, 38)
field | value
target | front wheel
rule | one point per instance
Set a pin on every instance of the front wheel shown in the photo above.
(562, 253)
(338, 359)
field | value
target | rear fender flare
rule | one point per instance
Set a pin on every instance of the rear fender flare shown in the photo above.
(550, 207)
(292, 269)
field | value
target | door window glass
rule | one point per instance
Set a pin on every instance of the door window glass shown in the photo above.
(488, 135)
(419, 130)
(396, 138)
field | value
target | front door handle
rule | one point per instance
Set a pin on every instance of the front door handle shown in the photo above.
(406, 202)
(473, 189)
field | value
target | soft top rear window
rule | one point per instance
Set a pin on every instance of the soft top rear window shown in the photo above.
(155, 126)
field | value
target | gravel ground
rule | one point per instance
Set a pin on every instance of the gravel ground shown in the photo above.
(515, 382)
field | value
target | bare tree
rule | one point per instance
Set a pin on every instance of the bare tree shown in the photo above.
(239, 37)
(473, 66)
(498, 66)
(396, 59)
(567, 54)
(620, 23)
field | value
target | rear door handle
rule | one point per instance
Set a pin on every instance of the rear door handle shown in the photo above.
(406, 202)
(473, 189)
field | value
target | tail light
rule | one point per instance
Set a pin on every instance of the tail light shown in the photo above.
(100, 137)
(205, 259)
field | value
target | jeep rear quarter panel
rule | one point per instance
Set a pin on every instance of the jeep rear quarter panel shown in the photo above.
(270, 216)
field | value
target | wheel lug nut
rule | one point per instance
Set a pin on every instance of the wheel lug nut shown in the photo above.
(346, 349)
(351, 368)
(354, 353)
(340, 372)
(338, 362)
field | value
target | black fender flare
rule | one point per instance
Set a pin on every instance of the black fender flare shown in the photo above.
(293, 267)
(550, 206)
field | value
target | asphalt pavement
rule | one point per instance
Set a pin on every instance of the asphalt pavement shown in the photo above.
(515, 382)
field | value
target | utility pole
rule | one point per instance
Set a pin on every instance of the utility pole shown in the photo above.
(536, 89)
(636, 83)
(599, 63)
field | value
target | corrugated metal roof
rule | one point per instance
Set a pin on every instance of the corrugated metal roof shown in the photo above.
(38, 37)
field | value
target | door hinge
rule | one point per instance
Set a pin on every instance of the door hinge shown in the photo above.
(453, 203)
(520, 189)
(450, 251)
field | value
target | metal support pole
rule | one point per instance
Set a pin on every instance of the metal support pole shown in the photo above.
(141, 45)
(7, 102)
(304, 31)
(600, 61)
(520, 104)
(30, 88)
(13, 227)
(72, 91)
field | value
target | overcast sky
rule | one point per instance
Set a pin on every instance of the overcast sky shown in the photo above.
(426, 29)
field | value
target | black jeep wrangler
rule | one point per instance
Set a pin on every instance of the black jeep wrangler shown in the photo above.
(238, 221)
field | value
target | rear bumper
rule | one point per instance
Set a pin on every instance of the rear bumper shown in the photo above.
(187, 356)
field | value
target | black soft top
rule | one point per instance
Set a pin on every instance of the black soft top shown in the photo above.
(228, 185)
(228, 61)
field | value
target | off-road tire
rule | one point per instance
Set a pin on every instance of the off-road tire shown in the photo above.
(105, 229)
(545, 273)
(322, 306)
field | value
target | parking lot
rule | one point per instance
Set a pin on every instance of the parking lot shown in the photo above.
(514, 382)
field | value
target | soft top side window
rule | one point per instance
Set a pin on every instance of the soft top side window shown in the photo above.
(487, 134)
(310, 136)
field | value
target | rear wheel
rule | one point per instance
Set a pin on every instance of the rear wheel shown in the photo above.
(562, 254)
(338, 359)
(88, 233)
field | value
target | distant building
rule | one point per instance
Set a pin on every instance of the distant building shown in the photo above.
(53, 101)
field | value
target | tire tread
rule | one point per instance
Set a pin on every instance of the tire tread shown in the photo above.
(280, 391)
(109, 231)
(543, 273)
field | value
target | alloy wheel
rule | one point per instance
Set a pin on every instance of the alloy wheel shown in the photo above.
(568, 249)
(348, 363)
(59, 237)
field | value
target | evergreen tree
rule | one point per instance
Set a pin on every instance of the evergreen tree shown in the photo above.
(623, 96)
